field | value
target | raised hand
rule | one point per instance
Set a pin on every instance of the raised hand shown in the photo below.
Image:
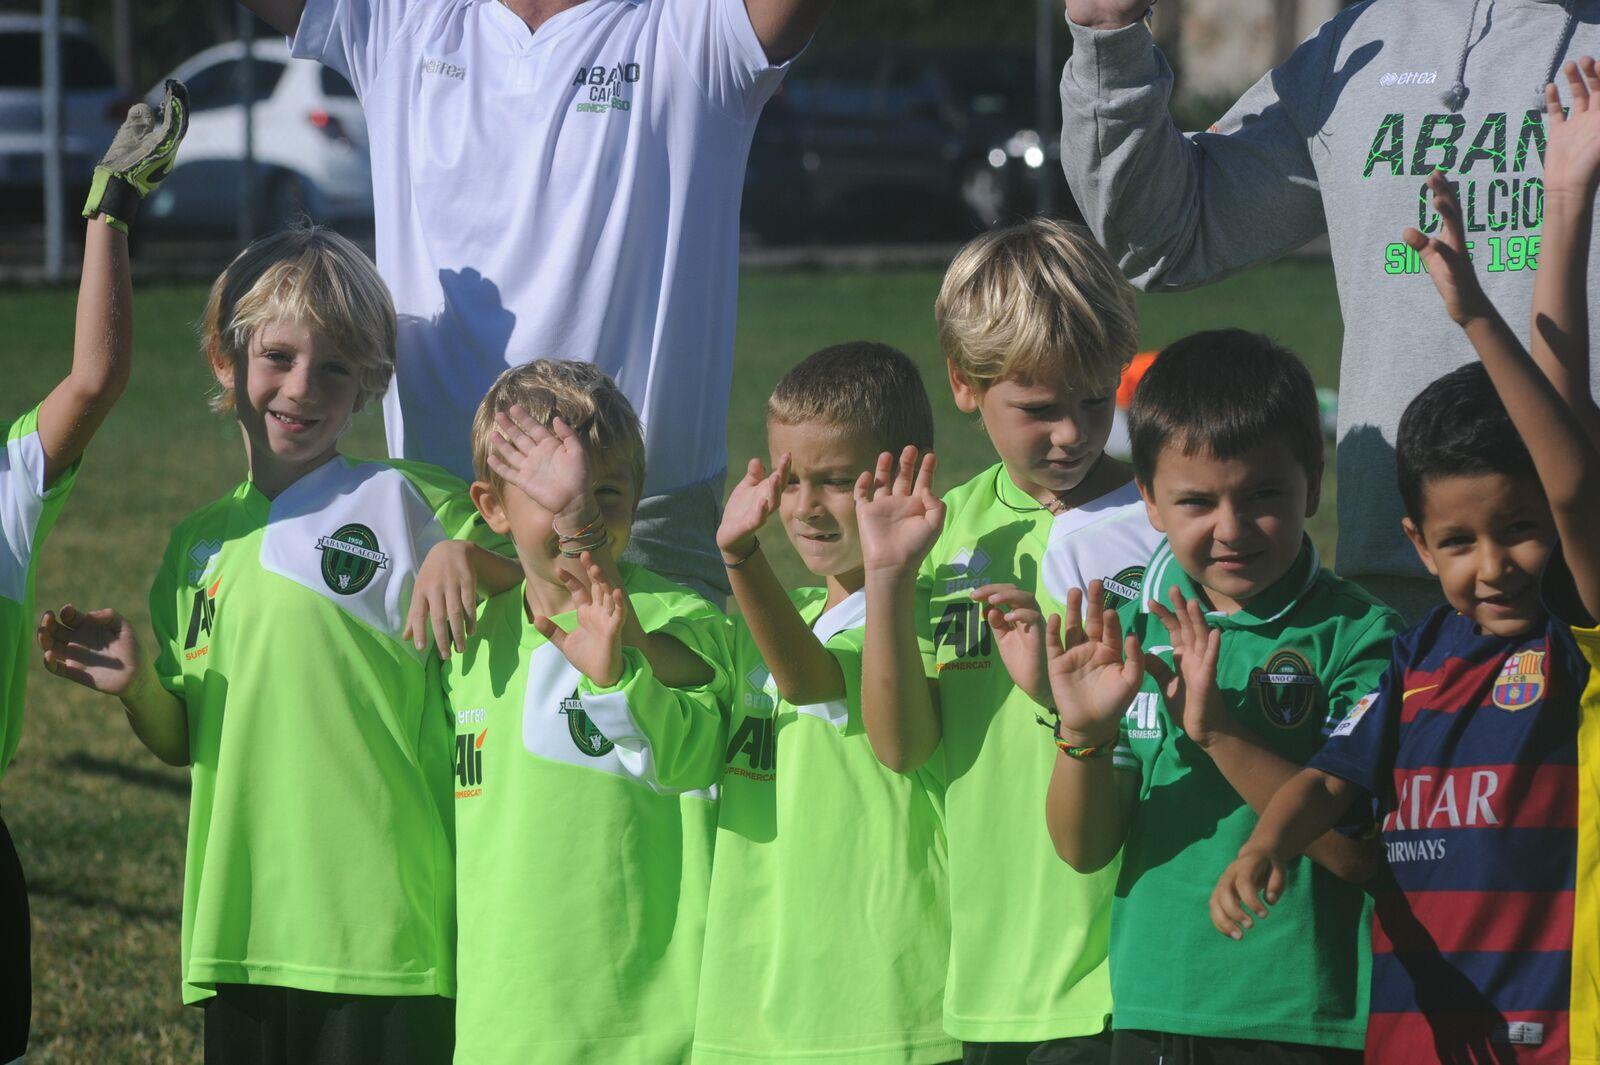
(1107, 14)
(1019, 630)
(1094, 672)
(550, 465)
(1190, 690)
(752, 501)
(594, 646)
(97, 649)
(1572, 154)
(897, 515)
(1240, 889)
(1445, 255)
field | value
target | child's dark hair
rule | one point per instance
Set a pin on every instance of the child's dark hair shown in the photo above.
(1225, 392)
(861, 387)
(1456, 427)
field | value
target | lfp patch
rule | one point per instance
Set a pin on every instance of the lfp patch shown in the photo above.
(1521, 681)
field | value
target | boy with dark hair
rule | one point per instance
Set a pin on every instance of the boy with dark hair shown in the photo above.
(1479, 749)
(1169, 761)
(828, 932)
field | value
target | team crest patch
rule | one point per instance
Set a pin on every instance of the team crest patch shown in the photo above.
(350, 559)
(1285, 689)
(588, 739)
(1122, 589)
(1521, 681)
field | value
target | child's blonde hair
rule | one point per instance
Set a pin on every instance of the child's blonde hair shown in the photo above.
(1037, 301)
(309, 275)
(580, 394)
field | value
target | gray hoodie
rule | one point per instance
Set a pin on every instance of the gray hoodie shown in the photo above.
(1339, 139)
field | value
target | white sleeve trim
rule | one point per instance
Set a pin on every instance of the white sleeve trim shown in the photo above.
(22, 499)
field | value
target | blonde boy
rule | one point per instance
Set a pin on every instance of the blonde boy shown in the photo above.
(1037, 324)
(583, 847)
(317, 905)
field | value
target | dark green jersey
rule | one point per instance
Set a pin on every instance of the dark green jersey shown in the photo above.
(1294, 661)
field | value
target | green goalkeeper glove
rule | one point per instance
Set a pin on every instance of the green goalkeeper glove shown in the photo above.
(139, 157)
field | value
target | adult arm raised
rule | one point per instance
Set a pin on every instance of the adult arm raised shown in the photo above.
(784, 26)
(281, 15)
(1178, 210)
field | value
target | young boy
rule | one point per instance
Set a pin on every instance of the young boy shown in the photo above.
(39, 464)
(583, 847)
(318, 884)
(1269, 653)
(1036, 325)
(1480, 745)
(828, 931)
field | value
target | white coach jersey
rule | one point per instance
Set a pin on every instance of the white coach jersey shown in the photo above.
(1109, 539)
(570, 193)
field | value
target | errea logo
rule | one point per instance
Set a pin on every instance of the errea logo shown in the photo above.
(443, 69)
(968, 567)
(1408, 77)
(203, 556)
(759, 689)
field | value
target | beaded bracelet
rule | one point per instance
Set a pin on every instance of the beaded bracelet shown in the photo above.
(576, 550)
(1073, 750)
(596, 524)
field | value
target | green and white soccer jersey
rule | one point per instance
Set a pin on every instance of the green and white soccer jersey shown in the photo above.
(1029, 935)
(583, 848)
(28, 509)
(319, 855)
(828, 930)
(1295, 660)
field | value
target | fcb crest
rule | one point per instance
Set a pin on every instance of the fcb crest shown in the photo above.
(585, 736)
(1285, 689)
(1521, 681)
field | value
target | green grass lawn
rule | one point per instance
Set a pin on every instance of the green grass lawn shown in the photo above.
(100, 823)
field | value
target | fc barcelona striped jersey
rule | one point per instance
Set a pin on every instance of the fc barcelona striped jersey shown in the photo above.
(1469, 748)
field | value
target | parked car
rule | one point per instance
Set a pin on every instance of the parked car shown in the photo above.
(93, 107)
(310, 144)
(924, 138)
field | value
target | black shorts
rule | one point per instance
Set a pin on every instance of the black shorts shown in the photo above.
(1133, 1047)
(16, 970)
(1078, 1050)
(253, 1025)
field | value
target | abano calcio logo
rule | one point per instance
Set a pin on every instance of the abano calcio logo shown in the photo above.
(1285, 689)
(350, 558)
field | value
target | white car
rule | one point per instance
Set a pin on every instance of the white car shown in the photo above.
(92, 107)
(310, 144)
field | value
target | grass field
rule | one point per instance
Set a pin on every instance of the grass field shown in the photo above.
(100, 823)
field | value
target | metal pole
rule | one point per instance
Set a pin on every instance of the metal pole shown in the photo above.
(54, 208)
(247, 91)
(1045, 106)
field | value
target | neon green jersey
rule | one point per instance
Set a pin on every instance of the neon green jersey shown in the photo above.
(28, 510)
(828, 930)
(1294, 661)
(1029, 936)
(584, 848)
(319, 855)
